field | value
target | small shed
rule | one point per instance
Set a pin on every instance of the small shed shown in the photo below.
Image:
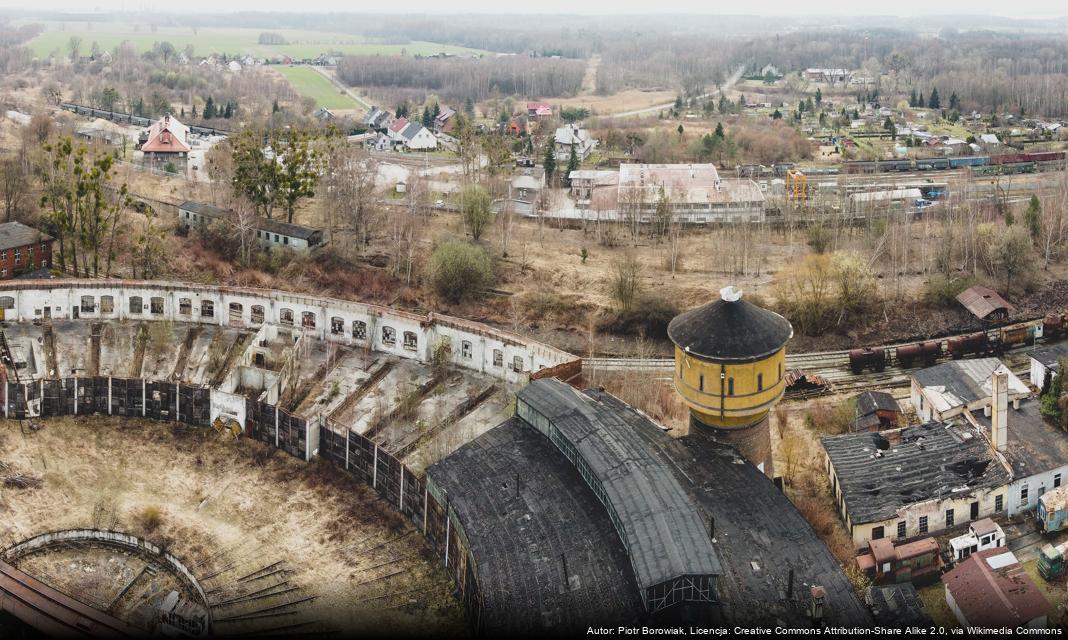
(877, 410)
(985, 303)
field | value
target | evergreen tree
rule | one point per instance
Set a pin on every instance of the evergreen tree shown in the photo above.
(572, 165)
(427, 118)
(954, 101)
(209, 108)
(719, 131)
(469, 108)
(933, 102)
(194, 114)
(1033, 218)
(275, 108)
(229, 111)
(912, 98)
(819, 96)
(776, 115)
(549, 164)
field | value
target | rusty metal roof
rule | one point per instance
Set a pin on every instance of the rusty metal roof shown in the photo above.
(983, 301)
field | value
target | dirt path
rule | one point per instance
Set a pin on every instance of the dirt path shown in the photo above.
(589, 80)
(337, 83)
(660, 107)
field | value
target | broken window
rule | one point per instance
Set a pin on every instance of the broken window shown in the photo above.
(1024, 498)
(107, 304)
(307, 320)
(760, 382)
(207, 309)
(901, 529)
(88, 304)
(285, 316)
(877, 533)
(156, 305)
(236, 312)
(359, 329)
(466, 349)
(1056, 480)
(498, 358)
(257, 314)
(259, 358)
(185, 306)
(517, 364)
(701, 382)
(949, 518)
(999, 503)
(337, 325)
(410, 340)
(136, 304)
(923, 524)
(389, 335)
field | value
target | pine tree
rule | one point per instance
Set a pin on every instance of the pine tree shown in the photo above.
(194, 114)
(275, 108)
(229, 111)
(209, 108)
(427, 119)
(572, 165)
(933, 102)
(719, 131)
(954, 101)
(549, 164)
(1033, 218)
(912, 98)
(819, 96)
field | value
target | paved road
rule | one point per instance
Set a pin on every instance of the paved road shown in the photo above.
(654, 109)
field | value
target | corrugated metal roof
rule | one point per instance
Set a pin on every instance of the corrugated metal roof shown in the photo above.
(664, 534)
(983, 301)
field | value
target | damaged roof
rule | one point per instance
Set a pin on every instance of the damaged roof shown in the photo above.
(880, 473)
(1050, 357)
(521, 536)
(870, 402)
(665, 536)
(959, 383)
(992, 589)
(897, 605)
(760, 537)
(982, 301)
(1033, 445)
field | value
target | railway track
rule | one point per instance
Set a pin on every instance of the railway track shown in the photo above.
(54, 613)
(832, 366)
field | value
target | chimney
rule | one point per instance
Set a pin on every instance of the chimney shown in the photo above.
(999, 409)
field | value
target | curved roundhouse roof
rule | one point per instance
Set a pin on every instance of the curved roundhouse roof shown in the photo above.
(730, 330)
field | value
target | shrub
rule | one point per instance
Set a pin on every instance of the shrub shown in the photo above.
(831, 418)
(477, 210)
(819, 238)
(151, 517)
(459, 270)
(648, 315)
(943, 291)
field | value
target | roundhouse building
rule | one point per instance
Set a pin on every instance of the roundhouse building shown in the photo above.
(730, 357)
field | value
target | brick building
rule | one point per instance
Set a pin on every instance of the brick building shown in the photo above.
(23, 249)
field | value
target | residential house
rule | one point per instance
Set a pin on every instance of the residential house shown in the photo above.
(572, 137)
(918, 562)
(945, 390)
(991, 589)
(445, 120)
(989, 140)
(233, 66)
(539, 110)
(268, 233)
(524, 189)
(23, 250)
(322, 114)
(416, 137)
(518, 126)
(165, 142)
(694, 193)
(829, 76)
(395, 128)
(377, 118)
(592, 189)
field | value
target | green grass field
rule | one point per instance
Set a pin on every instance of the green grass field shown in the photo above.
(235, 41)
(309, 82)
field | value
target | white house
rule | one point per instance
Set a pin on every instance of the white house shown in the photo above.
(570, 137)
(416, 137)
(1046, 362)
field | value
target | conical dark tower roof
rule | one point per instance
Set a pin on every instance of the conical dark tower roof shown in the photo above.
(730, 330)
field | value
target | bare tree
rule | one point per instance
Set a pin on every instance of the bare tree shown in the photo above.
(13, 189)
(243, 220)
(350, 192)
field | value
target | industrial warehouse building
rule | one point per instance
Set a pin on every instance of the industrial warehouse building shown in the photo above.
(683, 528)
(693, 193)
(269, 233)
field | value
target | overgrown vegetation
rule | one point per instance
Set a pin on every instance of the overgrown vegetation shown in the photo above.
(460, 270)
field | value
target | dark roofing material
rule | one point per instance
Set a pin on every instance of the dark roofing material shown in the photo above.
(962, 378)
(16, 234)
(263, 224)
(203, 209)
(520, 538)
(1050, 357)
(730, 331)
(665, 535)
(983, 301)
(871, 401)
(897, 605)
(760, 536)
(1033, 445)
(880, 473)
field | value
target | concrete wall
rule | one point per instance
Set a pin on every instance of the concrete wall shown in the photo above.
(385, 328)
(1036, 485)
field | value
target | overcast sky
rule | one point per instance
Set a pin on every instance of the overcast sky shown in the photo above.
(1020, 8)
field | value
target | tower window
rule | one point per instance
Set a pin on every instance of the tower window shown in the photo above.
(780, 371)
(730, 386)
(701, 382)
(760, 382)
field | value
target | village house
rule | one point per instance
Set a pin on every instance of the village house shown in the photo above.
(991, 589)
(377, 118)
(23, 250)
(269, 233)
(322, 114)
(165, 145)
(877, 410)
(569, 137)
(416, 137)
(829, 76)
(539, 110)
(695, 194)
(445, 120)
(1045, 363)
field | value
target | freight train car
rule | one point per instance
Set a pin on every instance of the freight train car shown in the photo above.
(1007, 163)
(875, 359)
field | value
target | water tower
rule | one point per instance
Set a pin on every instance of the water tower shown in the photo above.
(730, 359)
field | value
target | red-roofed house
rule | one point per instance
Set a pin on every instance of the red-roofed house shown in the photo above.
(165, 142)
(539, 110)
(395, 129)
(991, 589)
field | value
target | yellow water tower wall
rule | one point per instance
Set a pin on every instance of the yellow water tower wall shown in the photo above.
(727, 395)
